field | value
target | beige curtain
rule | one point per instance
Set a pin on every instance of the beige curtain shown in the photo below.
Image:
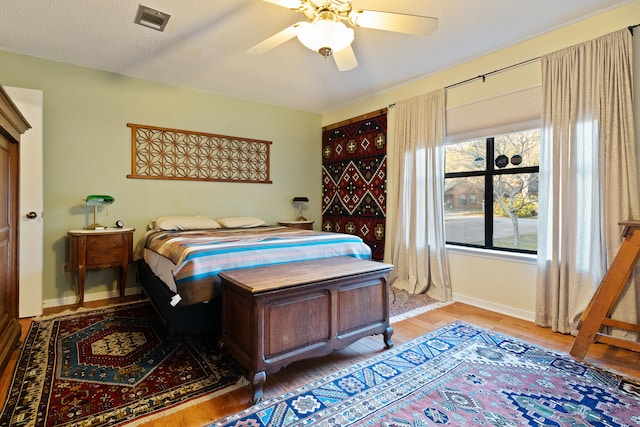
(415, 220)
(588, 179)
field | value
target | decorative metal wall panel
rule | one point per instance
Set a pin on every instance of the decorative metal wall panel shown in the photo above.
(162, 153)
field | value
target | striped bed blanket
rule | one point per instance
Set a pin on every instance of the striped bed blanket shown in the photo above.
(199, 255)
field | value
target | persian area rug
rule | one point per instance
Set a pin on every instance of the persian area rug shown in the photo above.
(459, 375)
(111, 367)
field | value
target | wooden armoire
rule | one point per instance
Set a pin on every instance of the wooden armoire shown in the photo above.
(12, 125)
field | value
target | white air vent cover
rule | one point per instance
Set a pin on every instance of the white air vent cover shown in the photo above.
(151, 18)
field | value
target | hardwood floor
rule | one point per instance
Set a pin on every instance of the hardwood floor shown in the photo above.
(297, 374)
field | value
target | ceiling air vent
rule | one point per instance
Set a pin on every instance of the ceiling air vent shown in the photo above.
(152, 18)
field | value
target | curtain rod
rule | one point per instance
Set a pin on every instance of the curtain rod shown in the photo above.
(484, 76)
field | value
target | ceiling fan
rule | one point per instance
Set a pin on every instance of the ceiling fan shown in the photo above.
(326, 33)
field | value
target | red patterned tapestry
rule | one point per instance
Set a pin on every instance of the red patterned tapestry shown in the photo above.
(354, 181)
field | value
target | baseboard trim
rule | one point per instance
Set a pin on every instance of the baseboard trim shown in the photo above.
(95, 296)
(137, 290)
(498, 308)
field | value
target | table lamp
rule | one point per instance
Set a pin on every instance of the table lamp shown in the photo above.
(95, 201)
(300, 201)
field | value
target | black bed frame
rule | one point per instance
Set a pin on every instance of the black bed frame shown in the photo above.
(202, 318)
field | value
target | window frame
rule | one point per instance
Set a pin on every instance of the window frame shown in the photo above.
(489, 173)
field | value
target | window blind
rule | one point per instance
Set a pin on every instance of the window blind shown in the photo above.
(514, 111)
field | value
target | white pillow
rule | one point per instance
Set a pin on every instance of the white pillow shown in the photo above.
(194, 222)
(240, 222)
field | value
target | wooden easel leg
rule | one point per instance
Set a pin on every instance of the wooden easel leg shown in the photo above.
(591, 320)
(607, 294)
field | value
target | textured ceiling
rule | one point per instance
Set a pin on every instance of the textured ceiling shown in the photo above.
(203, 46)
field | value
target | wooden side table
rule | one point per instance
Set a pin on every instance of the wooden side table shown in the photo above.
(303, 225)
(100, 249)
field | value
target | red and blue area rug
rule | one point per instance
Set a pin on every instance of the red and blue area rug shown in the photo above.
(459, 375)
(110, 367)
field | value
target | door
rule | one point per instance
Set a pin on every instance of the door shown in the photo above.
(30, 221)
(12, 125)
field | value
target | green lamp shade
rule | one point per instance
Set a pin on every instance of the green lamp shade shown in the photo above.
(98, 200)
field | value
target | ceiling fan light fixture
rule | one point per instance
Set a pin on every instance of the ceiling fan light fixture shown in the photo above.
(325, 36)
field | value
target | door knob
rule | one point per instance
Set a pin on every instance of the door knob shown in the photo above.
(32, 215)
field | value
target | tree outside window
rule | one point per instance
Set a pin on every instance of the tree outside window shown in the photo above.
(504, 171)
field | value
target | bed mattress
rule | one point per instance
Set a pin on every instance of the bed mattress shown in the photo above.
(188, 262)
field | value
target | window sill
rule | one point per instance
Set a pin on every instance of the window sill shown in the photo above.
(492, 254)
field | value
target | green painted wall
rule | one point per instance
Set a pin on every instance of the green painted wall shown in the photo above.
(87, 150)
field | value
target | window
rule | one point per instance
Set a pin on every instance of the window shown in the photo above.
(502, 172)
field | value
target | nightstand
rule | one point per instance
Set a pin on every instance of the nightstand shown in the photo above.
(303, 225)
(100, 249)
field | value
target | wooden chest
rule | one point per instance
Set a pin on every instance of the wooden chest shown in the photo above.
(274, 315)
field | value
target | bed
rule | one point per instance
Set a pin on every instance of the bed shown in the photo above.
(179, 261)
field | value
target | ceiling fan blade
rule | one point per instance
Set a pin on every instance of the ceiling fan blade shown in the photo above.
(289, 4)
(275, 40)
(398, 22)
(345, 59)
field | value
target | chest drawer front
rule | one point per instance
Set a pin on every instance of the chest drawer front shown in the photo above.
(104, 242)
(104, 256)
